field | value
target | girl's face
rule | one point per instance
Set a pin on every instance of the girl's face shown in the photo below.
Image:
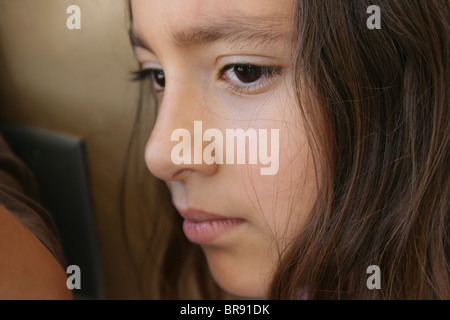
(227, 65)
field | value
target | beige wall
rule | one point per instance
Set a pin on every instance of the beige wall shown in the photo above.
(76, 82)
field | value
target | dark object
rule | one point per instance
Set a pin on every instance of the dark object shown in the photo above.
(58, 164)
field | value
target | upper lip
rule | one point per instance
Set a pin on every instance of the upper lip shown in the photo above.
(199, 215)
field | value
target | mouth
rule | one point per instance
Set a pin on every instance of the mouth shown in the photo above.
(204, 228)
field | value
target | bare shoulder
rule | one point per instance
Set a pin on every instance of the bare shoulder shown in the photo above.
(27, 269)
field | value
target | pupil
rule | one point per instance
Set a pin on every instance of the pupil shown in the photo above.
(159, 78)
(248, 73)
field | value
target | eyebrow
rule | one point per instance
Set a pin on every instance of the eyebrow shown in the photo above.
(254, 31)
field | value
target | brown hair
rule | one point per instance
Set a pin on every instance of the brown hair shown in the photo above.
(381, 96)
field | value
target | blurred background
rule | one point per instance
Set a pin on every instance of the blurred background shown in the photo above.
(77, 82)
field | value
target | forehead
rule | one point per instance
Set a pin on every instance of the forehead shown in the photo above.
(172, 17)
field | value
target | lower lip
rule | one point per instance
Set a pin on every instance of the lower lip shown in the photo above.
(203, 232)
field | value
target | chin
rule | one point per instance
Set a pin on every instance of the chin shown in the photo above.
(236, 277)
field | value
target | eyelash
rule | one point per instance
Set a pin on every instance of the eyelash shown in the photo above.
(267, 73)
(141, 75)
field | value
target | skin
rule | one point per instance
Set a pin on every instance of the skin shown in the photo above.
(273, 207)
(28, 269)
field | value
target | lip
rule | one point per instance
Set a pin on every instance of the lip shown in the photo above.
(203, 227)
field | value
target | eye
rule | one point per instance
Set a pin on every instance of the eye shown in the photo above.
(248, 78)
(247, 73)
(157, 75)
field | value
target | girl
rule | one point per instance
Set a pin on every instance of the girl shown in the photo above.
(358, 117)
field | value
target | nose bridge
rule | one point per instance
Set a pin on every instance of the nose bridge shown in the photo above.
(181, 106)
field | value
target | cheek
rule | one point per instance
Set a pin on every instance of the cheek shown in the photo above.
(287, 197)
(277, 207)
(293, 187)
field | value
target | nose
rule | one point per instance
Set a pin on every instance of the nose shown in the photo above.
(180, 107)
